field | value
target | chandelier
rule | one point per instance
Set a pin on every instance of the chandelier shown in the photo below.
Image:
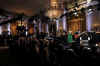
(54, 10)
(54, 13)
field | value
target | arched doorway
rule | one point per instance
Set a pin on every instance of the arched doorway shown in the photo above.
(77, 23)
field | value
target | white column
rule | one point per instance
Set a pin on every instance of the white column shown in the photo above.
(47, 28)
(0, 30)
(26, 30)
(34, 26)
(40, 27)
(57, 25)
(9, 30)
(64, 23)
(88, 21)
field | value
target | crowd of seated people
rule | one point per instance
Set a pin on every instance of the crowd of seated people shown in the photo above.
(54, 50)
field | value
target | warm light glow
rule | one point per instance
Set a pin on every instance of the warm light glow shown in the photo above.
(13, 28)
(96, 25)
(54, 13)
(53, 4)
(19, 24)
(54, 10)
(31, 30)
(53, 1)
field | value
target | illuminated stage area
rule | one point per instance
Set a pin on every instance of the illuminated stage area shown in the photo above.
(50, 32)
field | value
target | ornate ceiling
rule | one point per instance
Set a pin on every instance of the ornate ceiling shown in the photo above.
(30, 7)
